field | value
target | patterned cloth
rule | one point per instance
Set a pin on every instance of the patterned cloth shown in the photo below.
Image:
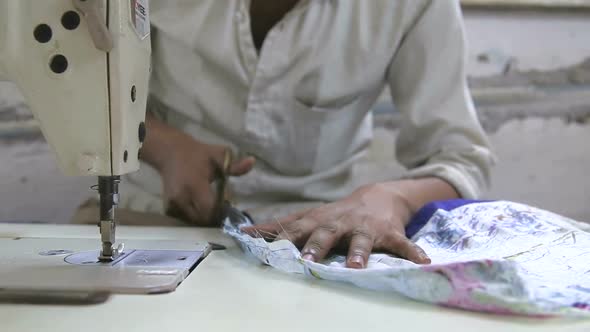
(497, 257)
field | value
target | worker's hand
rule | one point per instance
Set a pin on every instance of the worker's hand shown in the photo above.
(187, 173)
(371, 218)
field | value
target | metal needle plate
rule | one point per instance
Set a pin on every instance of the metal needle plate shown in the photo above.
(60, 268)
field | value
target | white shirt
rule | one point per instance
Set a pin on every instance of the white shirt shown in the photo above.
(302, 106)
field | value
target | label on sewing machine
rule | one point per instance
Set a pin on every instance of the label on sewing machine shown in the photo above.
(140, 17)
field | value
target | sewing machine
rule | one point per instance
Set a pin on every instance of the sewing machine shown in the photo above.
(83, 67)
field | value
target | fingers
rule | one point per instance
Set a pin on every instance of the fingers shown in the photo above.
(360, 247)
(203, 201)
(242, 166)
(266, 231)
(321, 241)
(194, 204)
(218, 157)
(297, 231)
(290, 228)
(182, 209)
(318, 232)
(272, 228)
(221, 155)
(401, 245)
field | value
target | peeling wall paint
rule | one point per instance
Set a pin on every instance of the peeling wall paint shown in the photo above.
(560, 93)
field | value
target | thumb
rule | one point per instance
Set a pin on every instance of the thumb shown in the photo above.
(236, 168)
(242, 166)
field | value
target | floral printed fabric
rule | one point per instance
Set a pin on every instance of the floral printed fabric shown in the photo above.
(498, 257)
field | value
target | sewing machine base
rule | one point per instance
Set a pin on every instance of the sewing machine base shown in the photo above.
(65, 271)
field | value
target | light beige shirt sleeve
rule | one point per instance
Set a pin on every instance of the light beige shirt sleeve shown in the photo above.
(440, 134)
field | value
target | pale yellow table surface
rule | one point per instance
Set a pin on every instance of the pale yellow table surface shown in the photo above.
(228, 292)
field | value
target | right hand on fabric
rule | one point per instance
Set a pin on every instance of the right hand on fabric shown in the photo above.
(188, 168)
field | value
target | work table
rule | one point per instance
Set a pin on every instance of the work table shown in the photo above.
(230, 292)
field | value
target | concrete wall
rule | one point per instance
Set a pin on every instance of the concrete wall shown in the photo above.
(542, 40)
(543, 161)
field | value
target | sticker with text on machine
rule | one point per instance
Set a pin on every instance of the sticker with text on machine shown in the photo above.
(140, 17)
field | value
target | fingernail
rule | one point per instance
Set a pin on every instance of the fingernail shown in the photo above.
(309, 257)
(425, 259)
(356, 262)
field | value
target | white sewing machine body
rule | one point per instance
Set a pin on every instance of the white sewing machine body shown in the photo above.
(90, 103)
(83, 67)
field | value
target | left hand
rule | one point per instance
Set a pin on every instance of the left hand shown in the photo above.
(371, 218)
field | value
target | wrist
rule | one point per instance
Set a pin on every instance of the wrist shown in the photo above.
(391, 198)
(406, 207)
(409, 196)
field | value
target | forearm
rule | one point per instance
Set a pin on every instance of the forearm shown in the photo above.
(418, 192)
